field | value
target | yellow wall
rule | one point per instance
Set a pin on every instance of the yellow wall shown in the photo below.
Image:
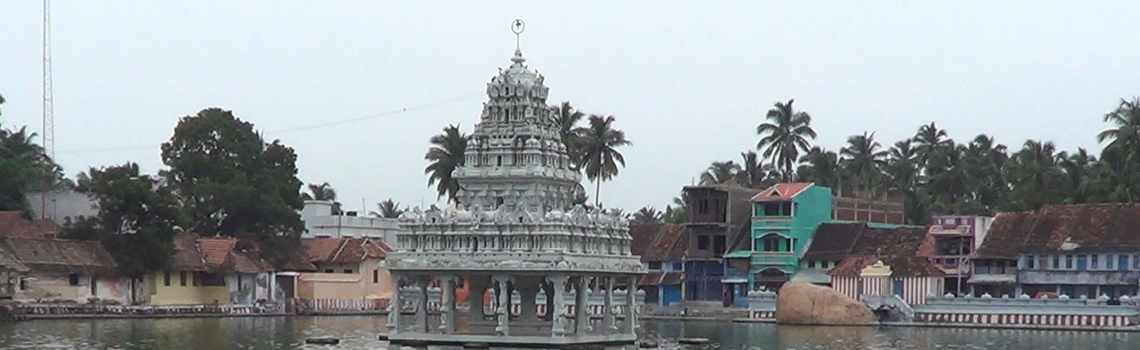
(357, 285)
(55, 287)
(176, 294)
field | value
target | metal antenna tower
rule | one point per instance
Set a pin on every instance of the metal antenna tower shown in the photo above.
(49, 105)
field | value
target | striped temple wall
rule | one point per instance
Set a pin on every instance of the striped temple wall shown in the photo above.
(34, 309)
(1027, 311)
(914, 289)
(345, 305)
(1027, 319)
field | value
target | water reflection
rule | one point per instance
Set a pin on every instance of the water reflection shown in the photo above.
(359, 332)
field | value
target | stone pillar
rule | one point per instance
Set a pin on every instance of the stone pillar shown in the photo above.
(528, 294)
(582, 306)
(422, 304)
(475, 298)
(609, 319)
(631, 304)
(447, 304)
(548, 288)
(504, 311)
(557, 304)
(394, 305)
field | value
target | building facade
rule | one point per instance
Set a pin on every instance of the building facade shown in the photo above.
(955, 239)
(321, 222)
(719, 218)
(662, 250)
(1077, 251)
(347, 269)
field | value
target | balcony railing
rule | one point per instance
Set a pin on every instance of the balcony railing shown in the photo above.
(735, 273)
(982, 270)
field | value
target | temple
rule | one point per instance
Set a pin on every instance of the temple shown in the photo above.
(516, 233)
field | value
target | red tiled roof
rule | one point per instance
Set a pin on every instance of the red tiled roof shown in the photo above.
(672, 278)
(187, 257)
(832, 241)
(781, 191)
(216, 250)
(61, 255)
(1006, 234)
(643, 235)
(651, 278)
(321, 249)
(14, 224)
(8, 261)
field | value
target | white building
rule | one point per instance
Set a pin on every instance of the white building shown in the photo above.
(320, 222)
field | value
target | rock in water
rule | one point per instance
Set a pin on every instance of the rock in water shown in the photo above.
(322, 341)
(802, 303)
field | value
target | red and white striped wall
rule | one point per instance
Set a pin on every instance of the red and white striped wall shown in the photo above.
(1019, 319)
(757, 314)
(914, 291)
(344, 305)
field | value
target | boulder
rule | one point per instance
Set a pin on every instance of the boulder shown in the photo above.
(802, 303)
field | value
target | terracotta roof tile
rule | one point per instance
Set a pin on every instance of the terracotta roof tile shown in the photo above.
(8, 261)
(651, 278)
(672, 278)
(321, 249)
(1006, 235)
(901, 266)
(216, 251)
(61, 255)
(14, 224)
(832, 241)
(781, 191)
(668, 244)
(643, 235)
(187, 257)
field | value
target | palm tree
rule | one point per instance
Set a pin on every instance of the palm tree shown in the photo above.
(984, 161)
(678, 212)
(446, 154)
(928, 139)
(388, 209)
(822, 168)
(600, 156)
(321, 192)
(863, 159)
(1126, 119)
(784, 136)
(902, 166)
(647, 215)
(947, 180)
(720, 173)
(23, 167)
(567, 120)
(1034, 172)
(753, 172)
(1079, 176)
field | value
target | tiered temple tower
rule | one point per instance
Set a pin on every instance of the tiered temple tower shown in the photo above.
(517, 234)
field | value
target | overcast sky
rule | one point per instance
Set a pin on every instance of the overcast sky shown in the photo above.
(687, 81)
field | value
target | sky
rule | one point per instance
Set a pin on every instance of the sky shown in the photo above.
(358, 87)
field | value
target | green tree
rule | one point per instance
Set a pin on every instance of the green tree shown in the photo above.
(388, 209)
(1035, 175)
(678, 212)
(24, 167)
(323, 192)
(720, 172)
(928, 140)
(822, 168)
(1125, 120)
(136, 220)
(600, 156)
(446, 154)
(648, 215)
(984, 161)
(753, 172)
(864, 161)
(568, 119)
(232, 183)
(784, 136)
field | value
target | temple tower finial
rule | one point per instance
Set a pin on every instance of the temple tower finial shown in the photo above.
(518, 26)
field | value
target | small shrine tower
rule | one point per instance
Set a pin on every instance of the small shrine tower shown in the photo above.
(517, 233)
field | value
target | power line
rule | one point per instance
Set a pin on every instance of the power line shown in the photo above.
(300, 128)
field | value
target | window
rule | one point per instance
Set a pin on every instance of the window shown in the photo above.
(676, 266)
(772, 243)
(811, 264)
(1030, 262)
(329, 271)
(1095, 262)
(719, 245)
(375, 276)
(703, 242)
(703, 206)
(772, 209)
(73, 279)
(197, 278)
(1069, 262)
(210, 279)
(348, 271)
(1122, 263)
(182, 278)
(166, 278)
(654, 265)
(1082, 263)
(1136, 262)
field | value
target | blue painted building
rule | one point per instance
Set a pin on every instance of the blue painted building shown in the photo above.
(662, 250)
